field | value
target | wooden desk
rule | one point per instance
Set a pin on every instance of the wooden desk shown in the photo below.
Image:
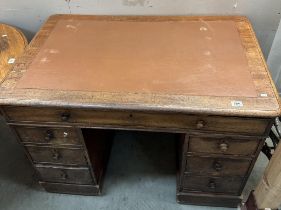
(201, 77)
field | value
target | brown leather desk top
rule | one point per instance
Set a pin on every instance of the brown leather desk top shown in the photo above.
(175, 63)
(184, 57)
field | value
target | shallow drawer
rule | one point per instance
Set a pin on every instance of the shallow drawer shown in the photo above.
(48, 135)
(67, 156)
(71, 188)
(217, 166)
(230, 185)
(224, 145)
(70, 175)
(152, 120)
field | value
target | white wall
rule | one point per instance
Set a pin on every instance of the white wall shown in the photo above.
(30, 14)
(274, 59)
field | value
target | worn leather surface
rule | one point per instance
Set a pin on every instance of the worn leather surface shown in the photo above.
(170, 57)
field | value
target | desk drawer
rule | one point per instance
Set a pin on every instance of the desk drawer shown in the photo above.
(71, 175)
(165, 121)
(48, 135)
(217, 166)
(227, 185)
(55, 155)
(225, 145)
(71, 188)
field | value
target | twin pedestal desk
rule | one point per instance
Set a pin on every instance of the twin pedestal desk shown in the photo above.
(203, 78)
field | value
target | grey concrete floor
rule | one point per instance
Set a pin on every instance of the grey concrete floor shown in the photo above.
(140, 175)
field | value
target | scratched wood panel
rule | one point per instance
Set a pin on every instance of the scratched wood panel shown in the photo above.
(264, 105)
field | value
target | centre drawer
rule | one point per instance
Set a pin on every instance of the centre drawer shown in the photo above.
(57, 155)
(230, 185)
(48, 135)
(71, 175)
(217, 166)
(138, 119)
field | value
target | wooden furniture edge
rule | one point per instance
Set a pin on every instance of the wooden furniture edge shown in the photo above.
(149, 106)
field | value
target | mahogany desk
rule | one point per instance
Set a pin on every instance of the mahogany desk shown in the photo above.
(201, 77)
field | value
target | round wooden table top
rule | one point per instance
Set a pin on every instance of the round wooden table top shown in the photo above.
(12, 45)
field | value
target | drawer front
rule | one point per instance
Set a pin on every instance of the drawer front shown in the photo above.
(48, 135)
(140, 120)
(217, 166)
(228, 146)
(230, 185)
(57, 155)
(71, 188)
(65, 175)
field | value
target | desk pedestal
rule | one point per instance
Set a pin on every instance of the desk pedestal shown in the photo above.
(67, 160)
(214, 168)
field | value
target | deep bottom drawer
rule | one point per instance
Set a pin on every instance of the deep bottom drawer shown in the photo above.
(71, 175)
(208, 199)
(229, 185)
(71, 188)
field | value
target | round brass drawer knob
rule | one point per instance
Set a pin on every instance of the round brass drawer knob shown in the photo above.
(223, 147)
(49, 135)
(212, 184)
(200, 124)
(217, 166)
(56, 155)
(64, 175)
(65, 116)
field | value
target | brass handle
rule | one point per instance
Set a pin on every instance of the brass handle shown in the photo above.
(212, 184)
(217, 166)
(49, 135)
(223, 146)
(65, 116)
(64, 175)
(200, 124)
(56, 155)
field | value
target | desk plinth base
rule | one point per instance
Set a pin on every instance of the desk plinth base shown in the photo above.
(203, 199)
(71, 188)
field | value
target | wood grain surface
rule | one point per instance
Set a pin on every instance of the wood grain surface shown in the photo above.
(12, 45)
(265, 104)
